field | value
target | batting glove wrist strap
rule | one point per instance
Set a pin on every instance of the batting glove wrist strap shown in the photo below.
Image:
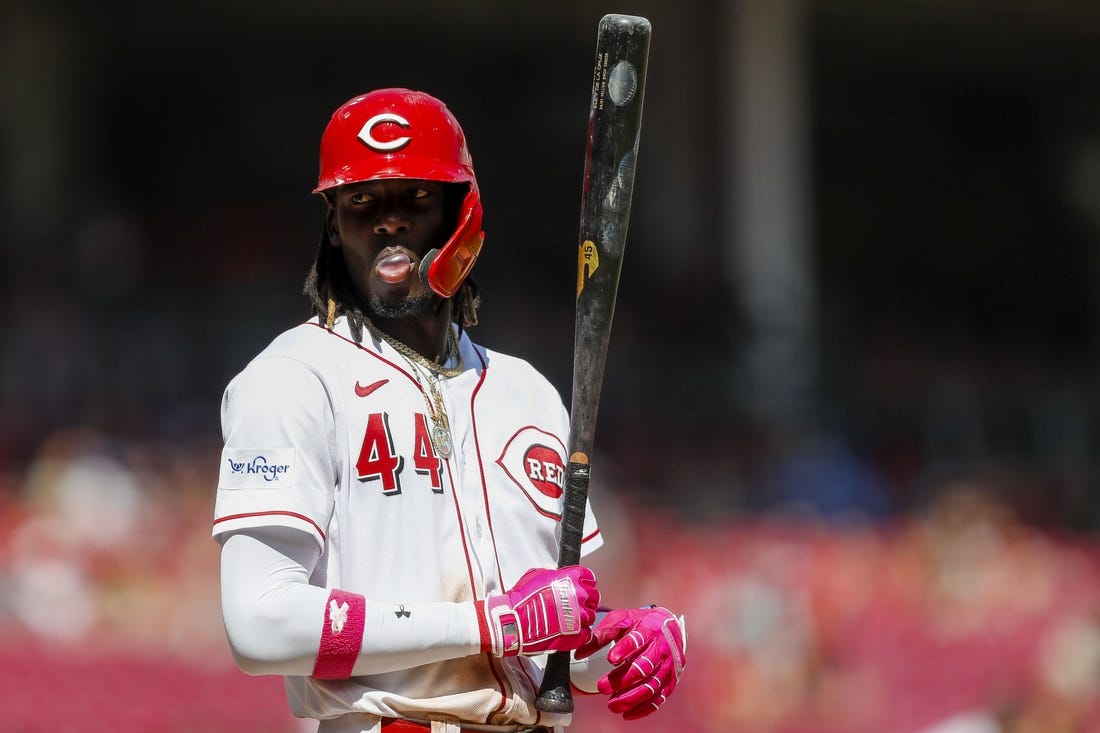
(503, 627)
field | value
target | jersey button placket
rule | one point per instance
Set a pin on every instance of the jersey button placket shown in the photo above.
(464, 461)
(470, 489)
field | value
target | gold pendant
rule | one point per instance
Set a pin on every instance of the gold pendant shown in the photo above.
(441, 439)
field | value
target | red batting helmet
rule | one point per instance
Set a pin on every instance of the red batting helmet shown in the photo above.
(399, 133)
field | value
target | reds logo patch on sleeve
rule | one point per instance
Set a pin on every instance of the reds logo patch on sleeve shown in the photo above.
(534, 460)
(257, 469)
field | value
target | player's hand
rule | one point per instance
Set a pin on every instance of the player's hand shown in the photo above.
(546, 611)
(648, 657)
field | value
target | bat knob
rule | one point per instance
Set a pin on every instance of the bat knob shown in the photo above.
(555, 700)
(556, 694)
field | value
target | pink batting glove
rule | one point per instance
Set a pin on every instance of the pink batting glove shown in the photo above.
(648, 657)
(546, 611)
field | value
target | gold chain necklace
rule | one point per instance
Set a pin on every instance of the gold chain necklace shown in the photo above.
(431, 366)
(441, 425)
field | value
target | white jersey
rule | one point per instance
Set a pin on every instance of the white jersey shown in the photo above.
(334, 439)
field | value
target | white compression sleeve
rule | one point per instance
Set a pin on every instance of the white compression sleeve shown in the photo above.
(274, 618)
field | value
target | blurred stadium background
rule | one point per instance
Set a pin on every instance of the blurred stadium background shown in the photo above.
(852, 396)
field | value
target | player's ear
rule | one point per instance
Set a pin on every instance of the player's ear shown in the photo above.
(331, 229)
(330, 217)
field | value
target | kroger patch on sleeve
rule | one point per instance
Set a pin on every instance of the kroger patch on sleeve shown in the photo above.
(257, 469)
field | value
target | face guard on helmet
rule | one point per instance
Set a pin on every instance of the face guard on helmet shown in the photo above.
(399, 133)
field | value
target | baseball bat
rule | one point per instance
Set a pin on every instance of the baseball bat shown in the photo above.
(614, 127)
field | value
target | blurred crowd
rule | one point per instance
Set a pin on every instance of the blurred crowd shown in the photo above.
(955, 617)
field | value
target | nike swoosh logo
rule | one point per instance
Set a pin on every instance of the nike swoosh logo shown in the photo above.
(364, 391)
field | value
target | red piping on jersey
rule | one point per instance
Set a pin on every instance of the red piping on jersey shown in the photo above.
(495, 666)
(534, 692)
(481, 464)
(296, 515)
(462, 532)
(458, 506)
(380, 358)
(500, 675)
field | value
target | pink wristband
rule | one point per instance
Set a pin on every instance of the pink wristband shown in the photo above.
(341, 635)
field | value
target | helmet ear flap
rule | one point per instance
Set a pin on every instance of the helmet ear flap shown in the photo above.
(444, 269)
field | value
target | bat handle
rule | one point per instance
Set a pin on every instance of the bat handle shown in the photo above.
(555, 693)
(574, 503)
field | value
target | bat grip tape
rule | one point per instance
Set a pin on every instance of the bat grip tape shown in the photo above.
(572, 516)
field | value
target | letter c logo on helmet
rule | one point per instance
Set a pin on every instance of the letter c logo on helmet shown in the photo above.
(367, 133)
(356, 146)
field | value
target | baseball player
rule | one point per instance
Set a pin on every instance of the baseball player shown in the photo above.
(390, 492)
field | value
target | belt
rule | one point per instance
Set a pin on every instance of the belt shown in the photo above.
(400, 725)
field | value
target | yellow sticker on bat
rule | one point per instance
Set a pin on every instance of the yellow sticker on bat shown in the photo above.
(588, 259)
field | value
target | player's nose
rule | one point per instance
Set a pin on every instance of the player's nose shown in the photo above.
(391, 222)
